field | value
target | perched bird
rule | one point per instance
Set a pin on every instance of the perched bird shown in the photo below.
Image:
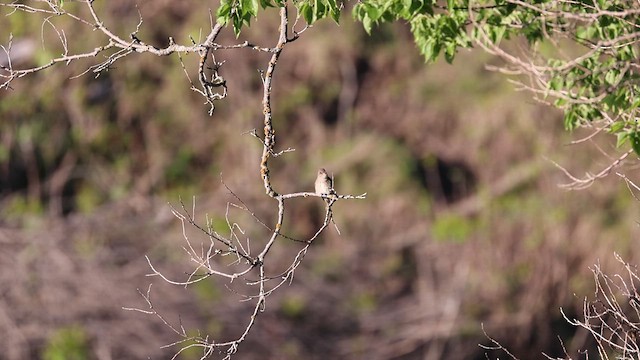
(324, 184)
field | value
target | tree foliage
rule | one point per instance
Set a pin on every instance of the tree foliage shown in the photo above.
(239, 13)
(580, 56)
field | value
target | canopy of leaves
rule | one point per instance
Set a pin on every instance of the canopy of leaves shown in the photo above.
(239, 12)
(579, 54)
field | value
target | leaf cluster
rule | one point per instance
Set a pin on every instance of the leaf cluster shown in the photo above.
(595, 79)
(239, 13)
(435, 28)
(599, 85)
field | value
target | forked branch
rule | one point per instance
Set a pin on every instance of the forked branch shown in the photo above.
(243, 262)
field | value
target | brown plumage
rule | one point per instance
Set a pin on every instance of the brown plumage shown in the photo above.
(324, 184)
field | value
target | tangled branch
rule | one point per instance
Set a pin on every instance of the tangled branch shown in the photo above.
(231, 257)
(211, 85)
(589, 71)
(612, 318)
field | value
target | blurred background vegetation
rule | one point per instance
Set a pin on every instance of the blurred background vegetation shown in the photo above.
(464, 223)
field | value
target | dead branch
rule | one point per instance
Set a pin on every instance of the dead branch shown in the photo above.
(230, 257)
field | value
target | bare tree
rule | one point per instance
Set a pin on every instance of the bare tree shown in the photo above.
(610, 318)
(234, 257)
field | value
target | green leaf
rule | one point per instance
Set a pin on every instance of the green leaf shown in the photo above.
(611, 76)
(334, 10)
(307, 12)
(222, 15)
(368, 24)
(427, 50)
(335, 15)
(634, 137)
(560, 102)
(586, 32)
(621, 138)
(556, 83)
(373, 12)
(497, 34)
(237, 24)
(570, 119)
(450, 52)
(616, 127)
(249, 7)
(319, 11)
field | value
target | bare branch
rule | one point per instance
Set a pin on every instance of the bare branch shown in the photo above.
(589, 178)
(250, 257)
(612, 318)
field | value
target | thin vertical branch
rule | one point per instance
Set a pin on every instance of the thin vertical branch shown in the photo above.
(269, 133)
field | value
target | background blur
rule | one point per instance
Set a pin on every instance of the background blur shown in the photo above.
(464, 224)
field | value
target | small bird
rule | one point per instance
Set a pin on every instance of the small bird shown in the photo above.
(324, 184)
